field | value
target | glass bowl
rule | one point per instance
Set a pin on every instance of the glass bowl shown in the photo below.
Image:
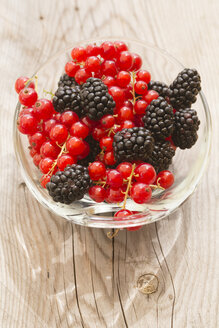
(188, 165)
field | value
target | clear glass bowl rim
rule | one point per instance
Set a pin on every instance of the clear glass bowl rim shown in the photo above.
(107, 222)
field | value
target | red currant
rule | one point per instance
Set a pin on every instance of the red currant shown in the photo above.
(109, 81)
(134, 228)
(92, 64)
(28, 96)
(33, 152)
(137, 62)
(97, 170)
(90, 124)
(75, 146)
(114, 195)
(125, 60)
(45, 165)
(26, 110)
(114, 179)
(140, 192)
(150, 95)
(79, 129)
(120, 46)
(98, 133)
(58, 117)
(107, 121)
(93, 50)
(43, 109)
(97, 193)
(125, 113)
(143, 75)
(141, 87)
(85, 152)
(122, 214)
(165, 179)
(58, 133)
(140, 106)
(65, 160)
(82, 75)
(128, 92)
(48, 125)
(125, 169)
(117, 94)
(27, 124)
(44, 180)
(106, 143)
(78, 54)
(123, 79)
(49, 149)
(139, 121)
(71, 68)
(127, 125)
(36, 140)
(21, 83)
(108, 50)
(68, 118)
(109, 158)
(36, 159)
(109, 68)
(145, 173)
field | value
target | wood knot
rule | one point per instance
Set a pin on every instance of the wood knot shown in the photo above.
(148, 283)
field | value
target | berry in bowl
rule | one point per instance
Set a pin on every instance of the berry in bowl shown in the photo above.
(112, 134)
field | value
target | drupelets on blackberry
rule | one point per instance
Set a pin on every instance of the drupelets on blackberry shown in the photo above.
(69, 185)
(186, 126)
(132, 144)
(185, 88)
(95, 99)
(66, 80)
(161, 156)
(160, 87)
(159, 118)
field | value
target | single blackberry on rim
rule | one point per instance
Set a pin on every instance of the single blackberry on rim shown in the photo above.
(185, 128)
(132, 144)
(95, 99)
(185, 88)
(160, 87)
(159, 118)
(161, 156)
(66, 80)
(94, 151)
(69, 185)
(68, 98)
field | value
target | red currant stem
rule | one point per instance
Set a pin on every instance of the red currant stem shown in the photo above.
(100, 182)
(36, 82)
(156, 186)
(62, 151)
(115, 115)
(128, 186)
(111, 130)
(133, 75)
(49, 93)
(111, 235)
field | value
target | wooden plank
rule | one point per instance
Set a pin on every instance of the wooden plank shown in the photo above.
(56, 274)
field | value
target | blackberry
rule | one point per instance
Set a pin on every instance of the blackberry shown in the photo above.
(185, 88)
(94, 151)
(160, 88)
(185, 128)
(159, 118)
(69, 185)
(161, 156)
(132, 144)
(95, 99)
(68, 98)
(66, 80)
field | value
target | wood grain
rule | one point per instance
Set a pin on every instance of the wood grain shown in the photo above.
(56, 274)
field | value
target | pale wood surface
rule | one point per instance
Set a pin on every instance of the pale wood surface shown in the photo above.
(54, 274)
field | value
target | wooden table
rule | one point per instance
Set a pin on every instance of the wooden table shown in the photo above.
(56, 274)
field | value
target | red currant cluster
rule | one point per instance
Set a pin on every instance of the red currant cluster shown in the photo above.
(59, 139)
